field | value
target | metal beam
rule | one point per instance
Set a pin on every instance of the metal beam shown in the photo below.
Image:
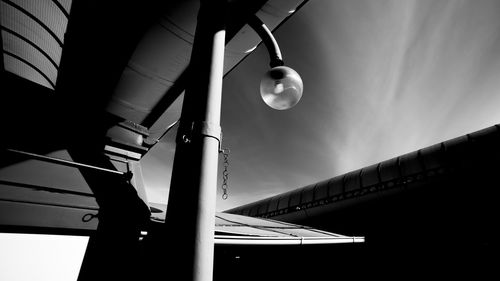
(59, 161)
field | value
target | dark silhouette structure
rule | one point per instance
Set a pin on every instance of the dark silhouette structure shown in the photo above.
(430, 211)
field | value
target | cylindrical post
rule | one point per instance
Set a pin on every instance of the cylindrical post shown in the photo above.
(190, 218)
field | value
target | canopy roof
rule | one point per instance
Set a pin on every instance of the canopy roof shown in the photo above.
(242, 230)
(124, 61)
(233, 229)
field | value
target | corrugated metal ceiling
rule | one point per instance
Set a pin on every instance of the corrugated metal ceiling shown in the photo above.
(33, 38)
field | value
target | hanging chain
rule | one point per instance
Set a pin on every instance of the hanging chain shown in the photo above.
(213, 131)
(225, 173)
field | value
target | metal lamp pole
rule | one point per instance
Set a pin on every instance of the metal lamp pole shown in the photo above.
(190, 219)
(191, 207)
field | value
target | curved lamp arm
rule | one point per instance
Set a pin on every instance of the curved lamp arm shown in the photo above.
(281, 87)
(268, 39)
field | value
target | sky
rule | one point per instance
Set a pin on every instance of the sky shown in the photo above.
(40, 257)
(381, 78)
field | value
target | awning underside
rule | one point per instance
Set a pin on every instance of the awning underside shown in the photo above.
(241, 230)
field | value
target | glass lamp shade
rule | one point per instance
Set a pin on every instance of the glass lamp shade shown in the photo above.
(281, 88)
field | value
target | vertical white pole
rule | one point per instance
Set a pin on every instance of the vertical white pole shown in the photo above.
(191, 207)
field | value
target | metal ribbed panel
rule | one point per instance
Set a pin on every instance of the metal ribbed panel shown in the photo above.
(490, 132)
(295, 197)
(263, 207)
(455, 150)
(236, 229)
(245, 211)
(22, 49)
(273, 204)
(352, 181)
(452, 159)
(307, 194)
(283, 203)
(336, 186)
(47, 12)
(389, 170)
(433, 156)
(254, 209)
(66, 4)
(20, 23)
(18, 67)
(369, 176)
(321, 190)
(227, 220)
(410, 164)
(151, 71)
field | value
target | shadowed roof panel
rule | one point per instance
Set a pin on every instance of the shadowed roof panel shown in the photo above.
(48, 13)
(33, 34)
(18, 47)
(25, 71)
(66, 4)
(14, 20)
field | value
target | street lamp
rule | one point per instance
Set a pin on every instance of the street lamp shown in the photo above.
(281, 87)
(193, 186)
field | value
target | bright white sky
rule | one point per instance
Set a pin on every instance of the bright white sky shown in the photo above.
(30, 257)
(381, 78)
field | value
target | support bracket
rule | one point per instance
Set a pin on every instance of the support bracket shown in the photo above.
(202, 129)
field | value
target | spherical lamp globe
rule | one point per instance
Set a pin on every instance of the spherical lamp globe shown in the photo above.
(281, 88)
